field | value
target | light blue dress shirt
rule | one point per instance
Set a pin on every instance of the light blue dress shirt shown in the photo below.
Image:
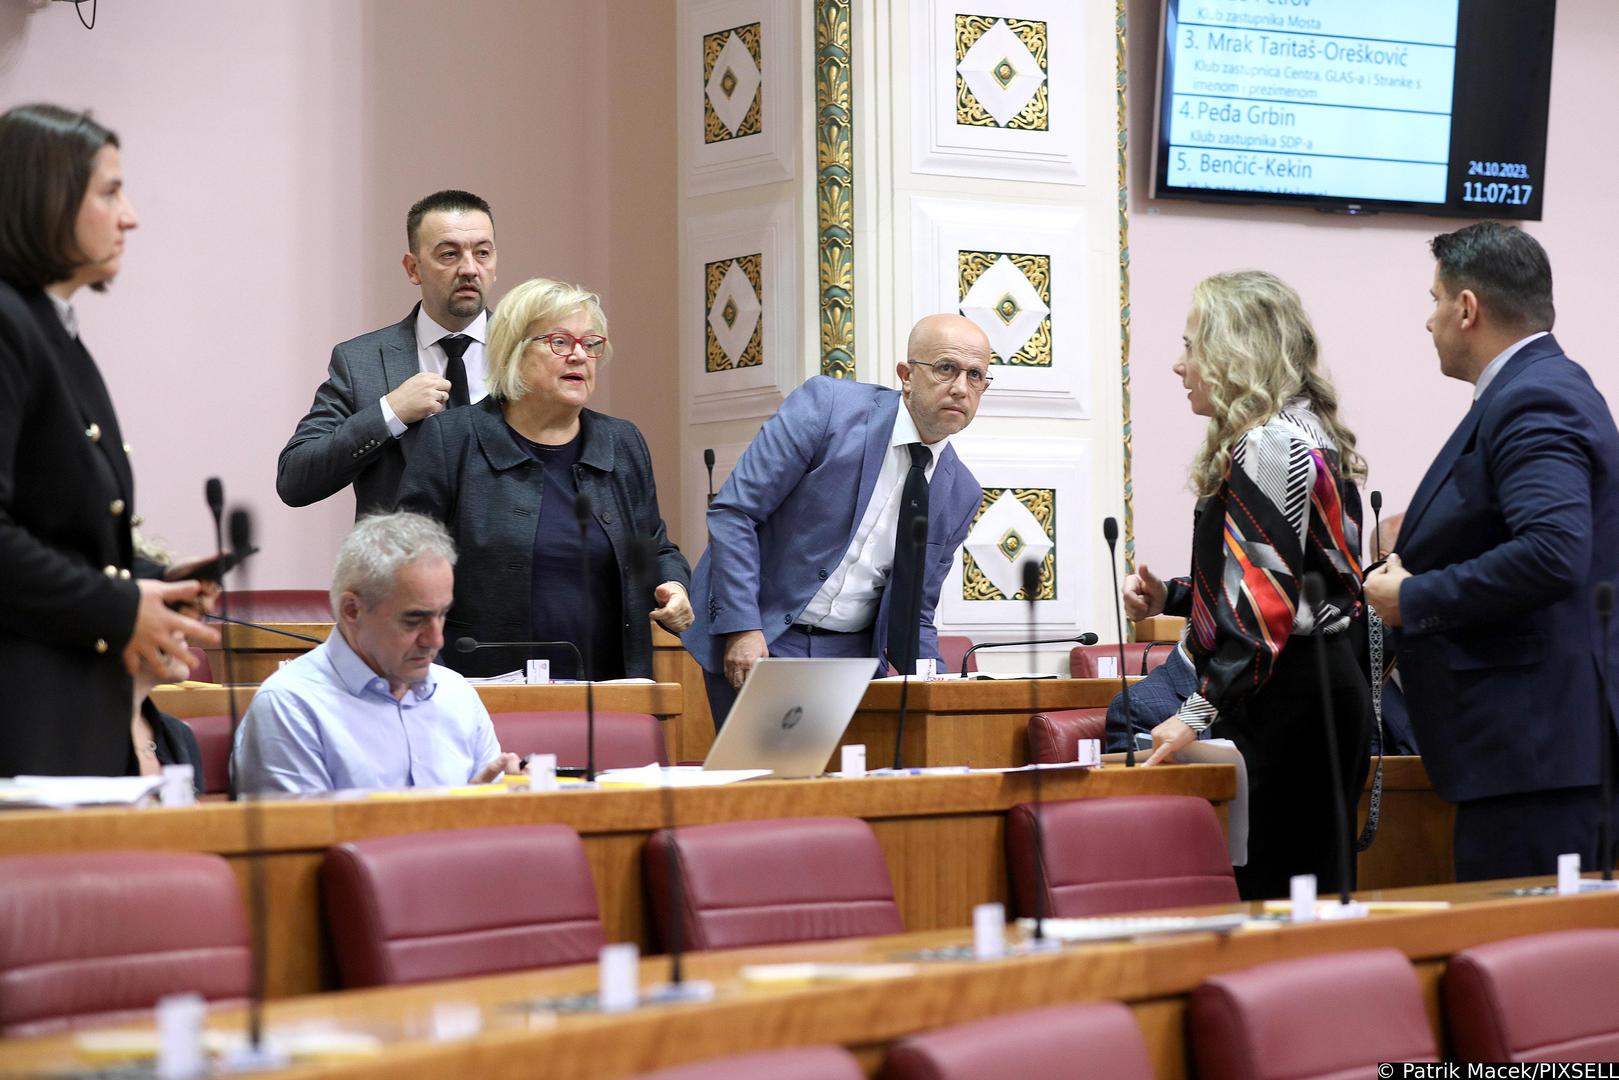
(326, 722)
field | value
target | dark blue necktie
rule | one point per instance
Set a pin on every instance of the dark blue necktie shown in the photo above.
(904, 618)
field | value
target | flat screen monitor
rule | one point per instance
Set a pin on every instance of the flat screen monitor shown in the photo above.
(1419, 106)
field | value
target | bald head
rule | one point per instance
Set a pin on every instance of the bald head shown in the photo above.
(943, 375)
(932, 331)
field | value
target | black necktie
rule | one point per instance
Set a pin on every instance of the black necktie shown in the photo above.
(904, 606)
(455, 369)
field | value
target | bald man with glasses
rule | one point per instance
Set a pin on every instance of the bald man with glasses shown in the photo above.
(810, 539)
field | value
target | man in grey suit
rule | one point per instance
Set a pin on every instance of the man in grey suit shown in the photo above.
(379, 385)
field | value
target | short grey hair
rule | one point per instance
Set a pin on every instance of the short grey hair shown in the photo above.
(378, 547)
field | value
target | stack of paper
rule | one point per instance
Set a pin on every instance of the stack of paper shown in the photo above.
(61, 792)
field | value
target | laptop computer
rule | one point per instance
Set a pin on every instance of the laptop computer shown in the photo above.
(790, 714)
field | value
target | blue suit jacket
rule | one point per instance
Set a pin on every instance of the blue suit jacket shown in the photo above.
(1515, 522)
(784, 519)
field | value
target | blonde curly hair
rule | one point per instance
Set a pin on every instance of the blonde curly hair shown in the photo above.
(1255, 349)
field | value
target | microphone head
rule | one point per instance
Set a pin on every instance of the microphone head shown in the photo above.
(581, 509)
(1315, 590)
(1110, 531)
(214, 491)
(1031, 580)
(708, 458)
(1604, 598)
(1088, 638)
(466, 644)
(241, 530)
(1377, 502)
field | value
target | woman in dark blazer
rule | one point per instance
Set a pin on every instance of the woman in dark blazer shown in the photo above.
(505, 476)
(74, 624)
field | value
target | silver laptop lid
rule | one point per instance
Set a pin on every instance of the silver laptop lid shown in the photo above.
(790, 714)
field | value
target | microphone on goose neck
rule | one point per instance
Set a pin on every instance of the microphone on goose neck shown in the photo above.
(1110, 533)
(581, 514)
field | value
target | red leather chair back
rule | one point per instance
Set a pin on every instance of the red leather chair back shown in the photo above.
(807, 1063)
(763, 882)
(1054, 736)
(1546, 997)
(99, 938)
(623, 740)
(1337, 1016)
(952, 647)
(201, 669)
(213, 739)
(1140, 657)
(1125, 853)
(461, 902)
(1047, 1042)
(280, 605)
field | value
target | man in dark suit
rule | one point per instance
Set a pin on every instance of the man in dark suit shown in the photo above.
(1491, 582)
(806, 537)
(380, 384)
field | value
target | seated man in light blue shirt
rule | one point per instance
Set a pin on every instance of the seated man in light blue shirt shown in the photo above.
(368, 708)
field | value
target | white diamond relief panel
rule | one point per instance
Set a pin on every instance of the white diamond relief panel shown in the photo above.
(1006, 306)
(735, 312)
(1006, 537)
(1001, 72)
(731, 87)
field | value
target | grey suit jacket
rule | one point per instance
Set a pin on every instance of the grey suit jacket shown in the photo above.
(343, 439)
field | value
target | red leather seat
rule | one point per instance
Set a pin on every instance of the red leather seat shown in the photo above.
(1336, 1016)
(213, 739)
(1140, 657)
(1054, 736)
(1124, 853)
(201, 669)
(280, 605)
(461, 902)
(1098, 1039)
(98, 938)
(1545, 997)
(952, 647)
(808, 1063)
(763, 882)
(623, 740)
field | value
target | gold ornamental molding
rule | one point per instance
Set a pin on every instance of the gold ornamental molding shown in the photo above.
(834, 186)
(1122, 136)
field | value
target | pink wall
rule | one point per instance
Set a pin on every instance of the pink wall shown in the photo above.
(1365, 283)
(271, 151)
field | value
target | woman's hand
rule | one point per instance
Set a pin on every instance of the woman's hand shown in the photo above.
(674, 611)
(160, 635)
(1168, 737)
(1144, 595)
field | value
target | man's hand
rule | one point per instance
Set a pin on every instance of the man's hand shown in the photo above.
(1383, 589)
(1168, 737)
(1144, 595)
(510, 764)
(159, 638)
(421, 395)
(674, 610)
(743, 649)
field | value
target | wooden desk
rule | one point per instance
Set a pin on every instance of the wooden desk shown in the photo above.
(1414, 833)
(979, 722)
(519, 1039)
(671, 663)
(257, 653)
(666, 701)
(943, 837)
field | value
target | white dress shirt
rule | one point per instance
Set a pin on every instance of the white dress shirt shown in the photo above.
(849, 597)
(430, 356)
(1493, 368)
(65, 312)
